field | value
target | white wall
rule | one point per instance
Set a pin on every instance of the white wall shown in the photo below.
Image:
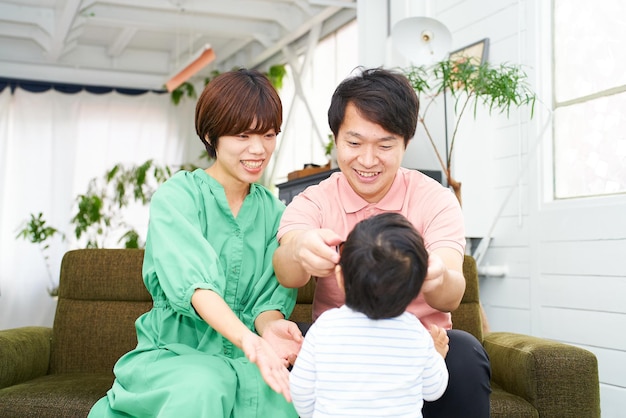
(566, 276)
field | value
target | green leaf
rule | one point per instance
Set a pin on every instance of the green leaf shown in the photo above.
(185, 89)
(276, 74)
(36, 230)
(130, 239)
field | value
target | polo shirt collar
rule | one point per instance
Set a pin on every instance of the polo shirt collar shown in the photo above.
(392, 201)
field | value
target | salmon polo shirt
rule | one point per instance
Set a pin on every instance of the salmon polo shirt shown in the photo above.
(332, 204)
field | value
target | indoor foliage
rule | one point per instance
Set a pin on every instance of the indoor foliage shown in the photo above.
(37, 231)
(99, 212)
(498, 88)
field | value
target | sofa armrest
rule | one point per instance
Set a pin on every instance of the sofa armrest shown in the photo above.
(24, 354)
(558, 379)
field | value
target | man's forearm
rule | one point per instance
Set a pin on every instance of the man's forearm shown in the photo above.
(288, 271)
(449, 296)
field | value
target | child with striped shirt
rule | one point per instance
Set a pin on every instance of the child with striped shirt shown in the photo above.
(371, 358)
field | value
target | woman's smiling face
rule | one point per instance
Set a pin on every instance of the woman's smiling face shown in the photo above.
(368, 155)
(243, 157)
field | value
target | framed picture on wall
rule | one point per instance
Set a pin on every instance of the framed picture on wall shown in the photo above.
(476, 53)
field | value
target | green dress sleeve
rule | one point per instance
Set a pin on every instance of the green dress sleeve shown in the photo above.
(178, 258)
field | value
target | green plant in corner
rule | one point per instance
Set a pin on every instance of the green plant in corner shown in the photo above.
(100, 211)
(498, 88)
(37, 231)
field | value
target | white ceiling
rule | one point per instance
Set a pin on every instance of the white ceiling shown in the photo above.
(140, 43)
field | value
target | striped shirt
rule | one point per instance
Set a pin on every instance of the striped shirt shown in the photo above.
(353, 366)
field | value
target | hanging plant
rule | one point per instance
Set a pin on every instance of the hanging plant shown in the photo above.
(275, 74)
(185, 89)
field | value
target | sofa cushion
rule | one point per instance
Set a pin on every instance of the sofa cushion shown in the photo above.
(66, 395)
(507, 405)
(83, 327)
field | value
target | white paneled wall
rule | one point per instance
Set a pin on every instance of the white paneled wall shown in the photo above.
(565, 260)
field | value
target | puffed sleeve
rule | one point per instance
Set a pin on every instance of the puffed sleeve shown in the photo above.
(178, 256)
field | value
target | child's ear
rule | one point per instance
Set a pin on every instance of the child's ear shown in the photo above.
(339, 276)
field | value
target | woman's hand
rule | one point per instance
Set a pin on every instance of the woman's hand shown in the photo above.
(214, 310)
(285, 338)
(272, 367)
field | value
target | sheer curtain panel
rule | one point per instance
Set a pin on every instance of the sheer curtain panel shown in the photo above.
(51, 145)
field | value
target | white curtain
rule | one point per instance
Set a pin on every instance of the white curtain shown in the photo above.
(51, 145)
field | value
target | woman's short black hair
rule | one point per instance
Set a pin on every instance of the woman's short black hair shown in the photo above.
(232, 103)
(384, 264)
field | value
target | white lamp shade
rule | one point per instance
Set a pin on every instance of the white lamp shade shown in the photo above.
(421, 40)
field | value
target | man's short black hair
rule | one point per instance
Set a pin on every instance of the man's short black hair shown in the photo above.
(381, 96)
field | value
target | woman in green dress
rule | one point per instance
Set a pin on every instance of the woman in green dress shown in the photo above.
(216, 342)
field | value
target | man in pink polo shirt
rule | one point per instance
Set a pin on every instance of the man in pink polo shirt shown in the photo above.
(373, 116)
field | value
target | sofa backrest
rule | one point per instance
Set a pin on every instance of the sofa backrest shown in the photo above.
(467, 315)
(303, 311)
(101, 294)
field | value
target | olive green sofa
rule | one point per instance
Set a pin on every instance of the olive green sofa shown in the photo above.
(62, 371)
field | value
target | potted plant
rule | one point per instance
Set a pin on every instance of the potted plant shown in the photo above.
(100, 211)
(498, 88)
(37, 231)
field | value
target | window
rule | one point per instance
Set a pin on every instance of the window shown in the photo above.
(589, 98)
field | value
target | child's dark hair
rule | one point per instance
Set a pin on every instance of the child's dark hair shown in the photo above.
(384, 264)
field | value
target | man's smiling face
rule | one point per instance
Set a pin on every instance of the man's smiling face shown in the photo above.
(368, 155)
